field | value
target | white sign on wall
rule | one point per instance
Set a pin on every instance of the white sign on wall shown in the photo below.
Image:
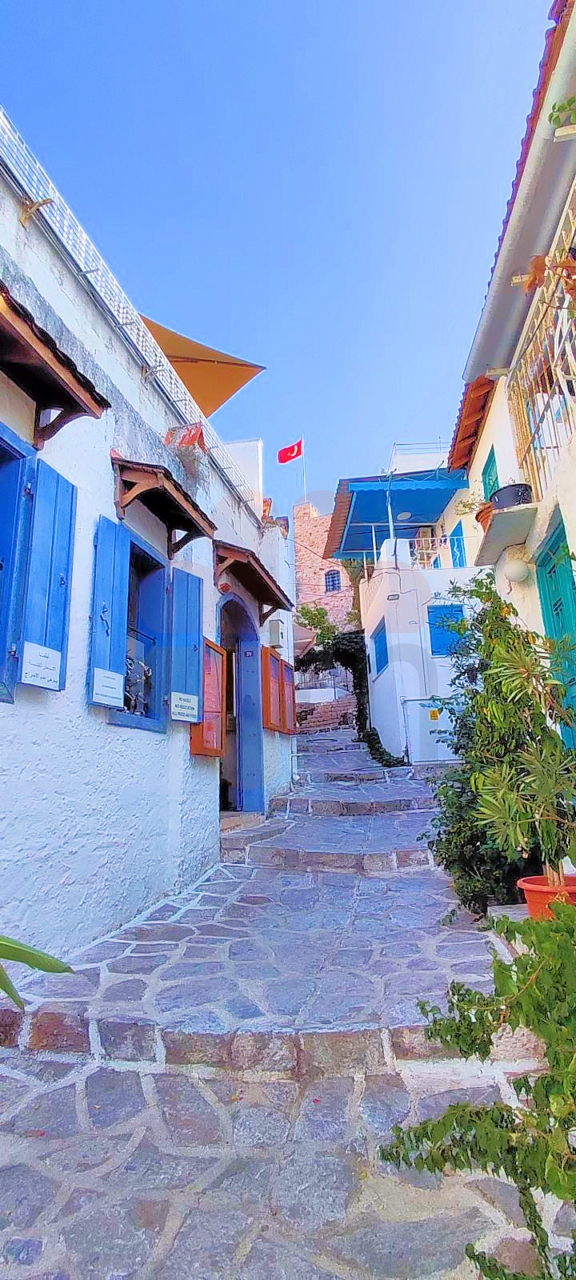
(41, 666)
(108, 688)
(184, 706)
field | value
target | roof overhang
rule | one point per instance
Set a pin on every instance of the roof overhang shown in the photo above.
(158, 491)
(360, 520)
(31, 359)
(211, 376)
(249, 571)
(474, 406)
(542, 184)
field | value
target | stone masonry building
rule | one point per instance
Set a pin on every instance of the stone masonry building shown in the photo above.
(319, 581)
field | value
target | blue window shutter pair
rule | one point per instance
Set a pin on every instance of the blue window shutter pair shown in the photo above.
(44, 636)
(443, 641)
(110, 622)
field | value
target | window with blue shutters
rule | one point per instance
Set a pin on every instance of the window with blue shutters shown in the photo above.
(146, 650)
(186, 681)
(457, 546)
(332, 580)
(380, 644)
(37, 521)
(16, 475)
(441, 618)
(49, 577)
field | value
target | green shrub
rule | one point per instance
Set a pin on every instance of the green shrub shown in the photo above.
(487, 727)
(533, 1142)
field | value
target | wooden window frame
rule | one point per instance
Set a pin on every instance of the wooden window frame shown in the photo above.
(287, 727)
(268, 719)
(198, 746)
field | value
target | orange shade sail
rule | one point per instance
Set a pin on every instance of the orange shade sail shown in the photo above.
(211, 376)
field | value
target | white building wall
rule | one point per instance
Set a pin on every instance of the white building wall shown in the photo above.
(413, 674)
(98, 820)
(498, 433)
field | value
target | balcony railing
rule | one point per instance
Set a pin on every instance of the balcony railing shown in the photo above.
(542, 385)
(33, 182)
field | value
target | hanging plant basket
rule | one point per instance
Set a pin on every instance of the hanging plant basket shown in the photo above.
(511, 495)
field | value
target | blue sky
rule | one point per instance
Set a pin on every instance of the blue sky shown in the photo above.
(315, 185)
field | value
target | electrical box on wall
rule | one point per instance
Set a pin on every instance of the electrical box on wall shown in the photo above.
(276, 633)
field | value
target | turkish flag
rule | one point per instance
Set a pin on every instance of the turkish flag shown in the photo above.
(291, 452)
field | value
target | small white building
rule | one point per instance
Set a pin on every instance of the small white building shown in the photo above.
(146, 648)
(389, 521)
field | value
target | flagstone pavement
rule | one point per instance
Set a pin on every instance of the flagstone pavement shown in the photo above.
(205, 1096)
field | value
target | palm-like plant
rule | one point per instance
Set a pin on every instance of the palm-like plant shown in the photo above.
(528, 800)
(12, 950)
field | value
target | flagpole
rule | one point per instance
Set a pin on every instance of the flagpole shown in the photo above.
(304, 470)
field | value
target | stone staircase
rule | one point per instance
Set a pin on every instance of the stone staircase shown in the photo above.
(206, 1093)
(305, 950)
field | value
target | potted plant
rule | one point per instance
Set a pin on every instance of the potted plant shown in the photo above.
(528, 800)
(474, 504)
(484, 515)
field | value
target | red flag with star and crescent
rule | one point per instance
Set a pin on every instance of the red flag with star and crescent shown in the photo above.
(291, 452)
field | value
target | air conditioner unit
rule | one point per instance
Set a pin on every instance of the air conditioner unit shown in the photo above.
(276, 633)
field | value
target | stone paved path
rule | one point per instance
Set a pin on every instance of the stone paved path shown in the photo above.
(205, 1096)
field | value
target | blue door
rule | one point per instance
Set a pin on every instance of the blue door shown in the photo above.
(250, 747)
(557, 589)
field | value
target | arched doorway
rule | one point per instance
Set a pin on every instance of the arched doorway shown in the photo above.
(242, 766)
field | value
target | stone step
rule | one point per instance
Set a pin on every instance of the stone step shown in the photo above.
(229, 821)
(363, 844)
(334, 807)
(261, 971)
(332, 739)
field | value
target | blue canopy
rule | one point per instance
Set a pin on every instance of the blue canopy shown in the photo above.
(416, 498)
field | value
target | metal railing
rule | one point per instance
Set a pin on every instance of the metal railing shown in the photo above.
(336, 678)
(542, 384)
(438, 553)
(22, 167)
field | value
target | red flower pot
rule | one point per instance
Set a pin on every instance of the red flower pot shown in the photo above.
(484, 515)
(539, 894)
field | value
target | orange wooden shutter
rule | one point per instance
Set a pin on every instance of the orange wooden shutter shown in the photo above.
(207, 738)
(288, 698)
(271, 690)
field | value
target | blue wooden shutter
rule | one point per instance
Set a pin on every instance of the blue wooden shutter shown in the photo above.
(186, 643)
(251, 737)
(47, 603)
(107, 667)
(443, 641)
(380, 642)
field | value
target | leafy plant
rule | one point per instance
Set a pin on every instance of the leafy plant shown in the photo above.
(563, 113)
(527, 800)
(531, 1142)
(12, 950)
(486, 727)
(316, 618)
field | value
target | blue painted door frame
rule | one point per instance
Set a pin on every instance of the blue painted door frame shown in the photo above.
(250, 734)
(557, 590)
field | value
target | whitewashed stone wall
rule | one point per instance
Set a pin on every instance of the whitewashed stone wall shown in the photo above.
(99, 820)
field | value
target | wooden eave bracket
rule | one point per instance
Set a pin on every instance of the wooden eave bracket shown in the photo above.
(222, 566)
(265, 614)
(44, 430)
(30, 207)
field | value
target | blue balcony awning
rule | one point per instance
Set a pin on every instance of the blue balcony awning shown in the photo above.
(361, 511)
